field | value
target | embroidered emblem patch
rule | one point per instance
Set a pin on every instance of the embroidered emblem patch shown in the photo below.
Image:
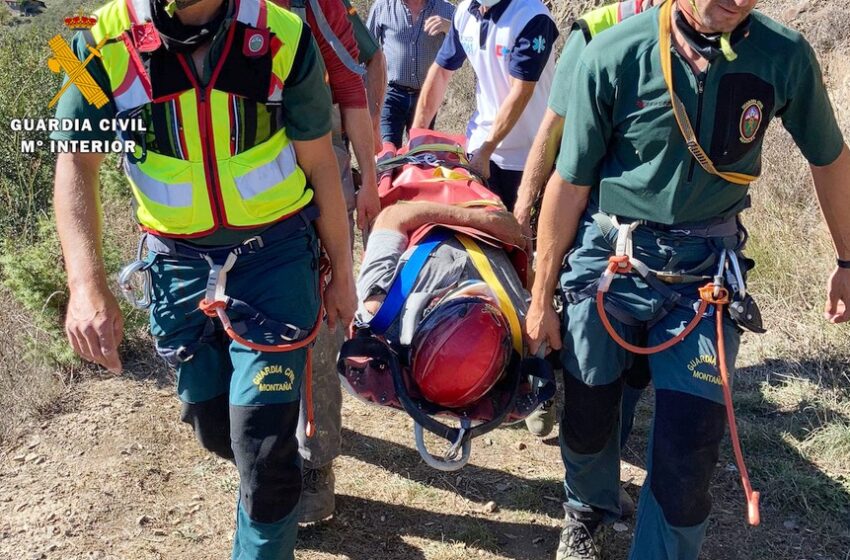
(751, 118)
(256, 43)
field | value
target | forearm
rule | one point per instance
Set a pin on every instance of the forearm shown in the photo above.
(376, 83)
(431, 96)
(538, 168)
(316, 158)
(76, 202)
(832, 186)
(358, 126)
(563, 205)
(407, 218)
(509, 112)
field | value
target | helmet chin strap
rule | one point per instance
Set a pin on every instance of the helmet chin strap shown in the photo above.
(725, 38)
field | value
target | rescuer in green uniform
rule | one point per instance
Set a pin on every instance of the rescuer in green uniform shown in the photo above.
(228, 181)
(628, 184)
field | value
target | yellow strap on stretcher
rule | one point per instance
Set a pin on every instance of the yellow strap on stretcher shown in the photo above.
(482, 265)
(681, 114)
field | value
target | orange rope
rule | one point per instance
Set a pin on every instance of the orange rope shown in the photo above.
(217, 309)
(719, 297)
(615, 266)
(753, 516)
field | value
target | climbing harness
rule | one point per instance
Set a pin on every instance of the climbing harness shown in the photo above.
(216, 303)
(679, 110)
(713, 293)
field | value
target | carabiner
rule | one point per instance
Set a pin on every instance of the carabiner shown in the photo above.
(718, 278)
(125, 282)
(739, 276)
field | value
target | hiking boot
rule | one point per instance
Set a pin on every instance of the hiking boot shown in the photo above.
(627, 504)
(541, 421)
(576, 541)
(317, 494)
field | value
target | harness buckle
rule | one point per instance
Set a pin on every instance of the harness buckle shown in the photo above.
(252, 245)
(292, 333)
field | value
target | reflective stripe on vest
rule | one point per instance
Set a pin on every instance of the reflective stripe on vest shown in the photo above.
(261, 179)
(210, 185)
(178, 195)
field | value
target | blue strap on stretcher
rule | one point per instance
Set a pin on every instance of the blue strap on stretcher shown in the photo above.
(404, 281)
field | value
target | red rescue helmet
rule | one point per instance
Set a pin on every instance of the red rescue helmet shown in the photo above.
(461, 347)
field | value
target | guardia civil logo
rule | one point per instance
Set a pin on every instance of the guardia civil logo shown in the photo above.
(751, 119)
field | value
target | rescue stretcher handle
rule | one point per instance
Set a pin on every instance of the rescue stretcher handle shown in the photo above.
(448, 463)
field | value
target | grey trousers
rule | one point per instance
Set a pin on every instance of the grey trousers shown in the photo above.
(324, 446)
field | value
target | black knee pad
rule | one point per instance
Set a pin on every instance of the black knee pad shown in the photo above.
(263, 439)
(590, 414)
(686, 444)
(211, 422)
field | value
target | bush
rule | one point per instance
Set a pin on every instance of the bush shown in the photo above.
(27, 85)
(33, 275)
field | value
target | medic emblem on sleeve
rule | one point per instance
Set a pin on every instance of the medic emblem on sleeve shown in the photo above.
(752, 115)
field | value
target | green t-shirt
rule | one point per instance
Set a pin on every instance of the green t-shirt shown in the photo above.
(305, 110)
(559, 95)
(366, 42)
(621, 137)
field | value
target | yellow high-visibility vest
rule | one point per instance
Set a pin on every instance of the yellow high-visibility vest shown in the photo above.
(208, 184)
(596, 21)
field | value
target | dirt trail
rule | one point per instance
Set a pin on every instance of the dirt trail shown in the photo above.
(116, 477)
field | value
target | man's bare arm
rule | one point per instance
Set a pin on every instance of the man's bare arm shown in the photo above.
(538, 167)
(376, 88)
(358, 127)
(407, 218)
(432, 95)
(93, 323)
(832, 186)
(509, 113)
(314, 157)
(563, 205)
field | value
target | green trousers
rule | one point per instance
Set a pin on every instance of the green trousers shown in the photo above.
(243, 404)
(689, 419)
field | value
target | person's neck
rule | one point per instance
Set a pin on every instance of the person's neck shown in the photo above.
(694, 59)
(415, 5)
(197, 12)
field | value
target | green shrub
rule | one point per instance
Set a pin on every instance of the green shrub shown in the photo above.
(27, 85)
(33, 275)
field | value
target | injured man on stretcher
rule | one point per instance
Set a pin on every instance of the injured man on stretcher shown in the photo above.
(448, 266)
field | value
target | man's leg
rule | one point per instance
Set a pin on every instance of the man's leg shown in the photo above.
(590, 427)
(688, 427)
(319, 451)
(203, 366)
(282, 282)
(394, 115)
(637, 378)
(505, 183)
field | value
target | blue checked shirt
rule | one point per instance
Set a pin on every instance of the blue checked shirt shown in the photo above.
(409, 50)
